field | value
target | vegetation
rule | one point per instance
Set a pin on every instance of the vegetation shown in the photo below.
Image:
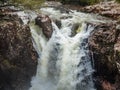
(88, 2)
(29, 4)
(118, 1)
(33, 4)
(2, 1)
(81, 2)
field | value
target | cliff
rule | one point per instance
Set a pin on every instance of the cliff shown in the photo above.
(18, 59)
(104, 44)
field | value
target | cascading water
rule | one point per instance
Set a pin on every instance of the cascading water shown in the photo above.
(64, 62)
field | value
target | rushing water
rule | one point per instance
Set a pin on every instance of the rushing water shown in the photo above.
(64, 62)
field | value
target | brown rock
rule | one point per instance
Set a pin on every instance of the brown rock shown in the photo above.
(45, 23)
(107, 86)
(109, 9)
(104, 46)
(17, 65)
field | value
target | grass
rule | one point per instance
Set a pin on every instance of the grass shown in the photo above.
(29, 4)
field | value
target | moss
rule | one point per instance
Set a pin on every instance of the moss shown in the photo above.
(7, 64)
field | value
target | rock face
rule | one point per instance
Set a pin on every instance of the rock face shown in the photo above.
(105, 48)
(44, 22)
(109, 9)
(18, 59)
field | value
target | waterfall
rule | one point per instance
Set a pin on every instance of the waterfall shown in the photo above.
(64, 61)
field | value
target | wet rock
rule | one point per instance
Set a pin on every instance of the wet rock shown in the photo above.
(104, 45)
(18, 59)
(52, 3)
(58, 23)
(118, 27)
(75, 27)
(8, 9)
(44, 22)
(109, 9)
(107, 86)
(65, 17)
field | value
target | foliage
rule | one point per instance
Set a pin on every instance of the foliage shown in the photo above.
(88, 2)
(29, 4)
(81, 2)
(2, 1)
(118, 1)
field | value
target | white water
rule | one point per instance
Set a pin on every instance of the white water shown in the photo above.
(64, 62)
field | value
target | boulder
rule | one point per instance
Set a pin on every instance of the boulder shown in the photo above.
(44, 22)
(18, 58)
(104, 47)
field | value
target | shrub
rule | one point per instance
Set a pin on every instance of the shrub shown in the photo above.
(88, 2)
(118, 1)
(81, 2)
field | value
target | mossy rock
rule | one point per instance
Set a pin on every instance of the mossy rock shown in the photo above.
(6, 64)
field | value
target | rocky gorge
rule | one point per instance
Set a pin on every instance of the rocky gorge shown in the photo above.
(18, 58)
